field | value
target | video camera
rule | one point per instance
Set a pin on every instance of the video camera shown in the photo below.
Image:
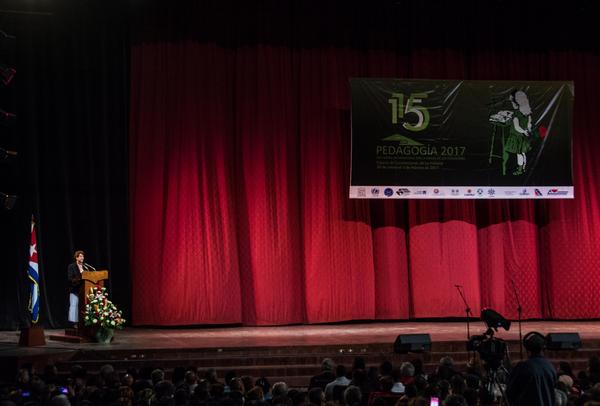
(491, 350)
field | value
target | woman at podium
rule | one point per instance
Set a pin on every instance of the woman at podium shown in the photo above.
(74, 281)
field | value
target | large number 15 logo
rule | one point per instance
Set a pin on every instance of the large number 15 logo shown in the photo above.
(399, 110)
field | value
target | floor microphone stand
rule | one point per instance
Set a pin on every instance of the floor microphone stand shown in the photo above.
(519, 313)
(467, 308)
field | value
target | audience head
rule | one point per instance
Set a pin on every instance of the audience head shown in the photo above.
(297, 397)
(534, 343)
(127, 380)
(474, 366)
(359, 363)
(157, 376)
(255, 394)
(211, 375)
(418, 364)
(78, 372)
(386, 368)
(264, 384)
(236, 385)
(229, 375)
(327, 365)
(247, 382)
(407, 369)
(178, 375)
(280, 389)
(447, 362)
(352, 396)
(566, 380)
(565, 368)
(190, 377)
(60, 400)
(446, 368)
(106, 370)
(23, 376)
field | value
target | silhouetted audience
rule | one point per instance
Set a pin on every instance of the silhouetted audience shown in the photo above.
(340, 380)
(385, 385)
(325, 376)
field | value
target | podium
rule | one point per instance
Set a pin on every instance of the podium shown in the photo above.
(89, 280)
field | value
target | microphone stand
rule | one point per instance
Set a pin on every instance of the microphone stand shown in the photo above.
(467, 308)
(519, 312)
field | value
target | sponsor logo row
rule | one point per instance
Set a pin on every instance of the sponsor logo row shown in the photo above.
(459, 192)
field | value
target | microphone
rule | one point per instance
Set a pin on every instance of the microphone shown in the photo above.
(88, 265)
(458, 286)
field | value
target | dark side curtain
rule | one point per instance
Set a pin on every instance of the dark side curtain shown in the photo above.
(71, 92)
(239, 167)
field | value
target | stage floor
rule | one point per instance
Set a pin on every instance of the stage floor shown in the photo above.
(299, 335)
(289, 353)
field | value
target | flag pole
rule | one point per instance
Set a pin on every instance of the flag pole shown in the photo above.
(33, 335)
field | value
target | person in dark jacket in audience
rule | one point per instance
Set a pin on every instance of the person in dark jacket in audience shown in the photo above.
(326, 375)
(532, 382)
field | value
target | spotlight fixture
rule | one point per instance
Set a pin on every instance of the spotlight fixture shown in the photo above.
(6, 117)
(7, 73)
(493, 319)
(4, 154)
(4, 35)
(7, 201)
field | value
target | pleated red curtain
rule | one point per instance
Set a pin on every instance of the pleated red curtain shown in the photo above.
(239, 172)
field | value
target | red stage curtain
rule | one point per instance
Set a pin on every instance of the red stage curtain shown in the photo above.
(239, 177)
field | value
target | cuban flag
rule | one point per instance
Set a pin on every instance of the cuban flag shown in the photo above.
(34, 277)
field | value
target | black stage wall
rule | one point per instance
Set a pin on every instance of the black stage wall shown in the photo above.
(71, 91)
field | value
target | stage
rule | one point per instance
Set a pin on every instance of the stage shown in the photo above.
(290, 353)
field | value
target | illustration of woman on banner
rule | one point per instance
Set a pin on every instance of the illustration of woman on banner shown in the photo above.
(519, 137)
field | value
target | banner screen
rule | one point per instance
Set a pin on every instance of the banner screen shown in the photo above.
(430, 139)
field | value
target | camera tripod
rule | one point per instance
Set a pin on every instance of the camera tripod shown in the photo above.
(494, 353)
(493, 383)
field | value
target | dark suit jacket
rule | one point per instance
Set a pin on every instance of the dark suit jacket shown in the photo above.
(321, 379)
(73, 278)
(532, 382)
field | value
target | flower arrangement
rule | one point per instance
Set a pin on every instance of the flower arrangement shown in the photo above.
(101, 312)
